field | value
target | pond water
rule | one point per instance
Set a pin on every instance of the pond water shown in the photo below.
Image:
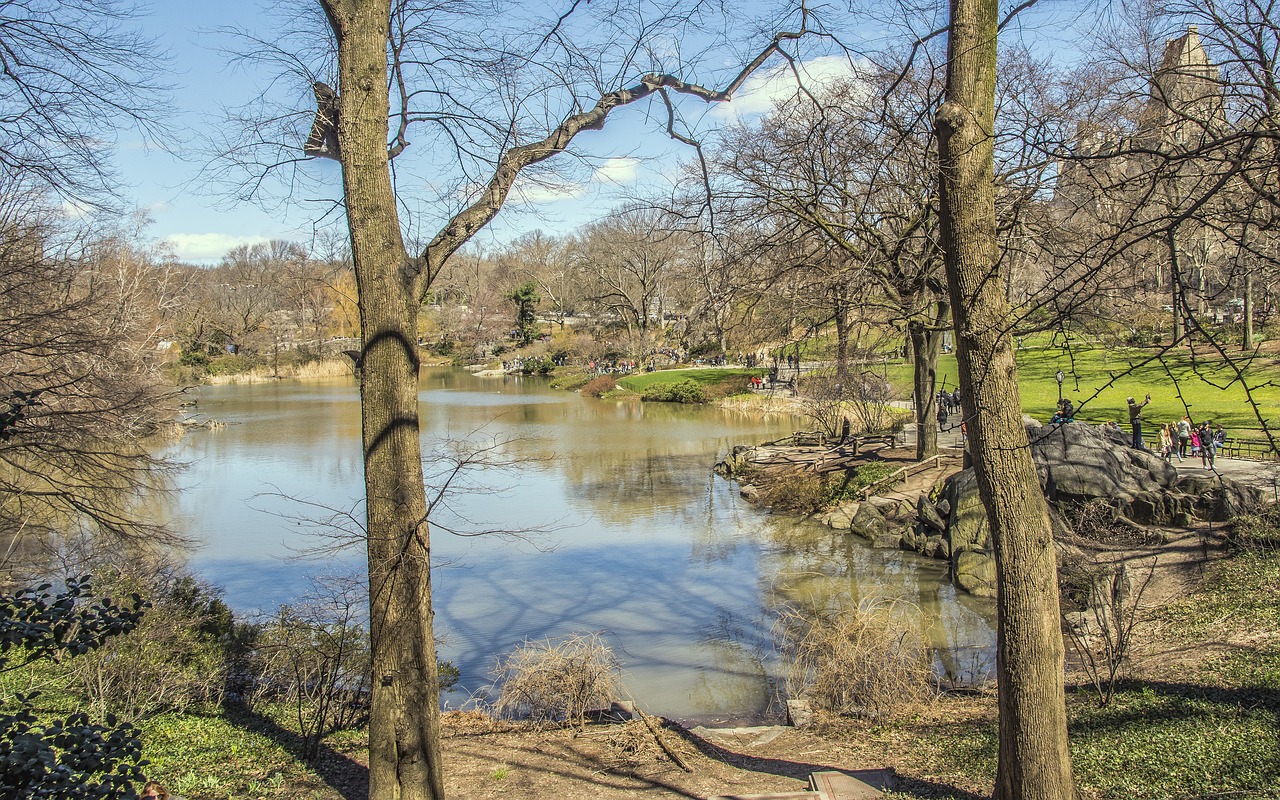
(621, 529)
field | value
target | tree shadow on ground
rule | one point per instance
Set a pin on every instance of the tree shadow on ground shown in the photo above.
(801, 770)
(346, 776)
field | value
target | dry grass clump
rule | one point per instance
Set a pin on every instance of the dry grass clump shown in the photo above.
(866, 660)
(557, 680)
(787, 489)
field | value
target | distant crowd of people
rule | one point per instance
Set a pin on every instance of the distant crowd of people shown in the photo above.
(948, 404)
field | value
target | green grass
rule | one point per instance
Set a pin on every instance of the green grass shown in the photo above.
(1099, 380)
(638, 383)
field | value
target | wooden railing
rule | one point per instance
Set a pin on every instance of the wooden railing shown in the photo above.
(899, 476)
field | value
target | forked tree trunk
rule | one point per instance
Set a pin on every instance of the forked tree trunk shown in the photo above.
(1034, 762)
(404, 717)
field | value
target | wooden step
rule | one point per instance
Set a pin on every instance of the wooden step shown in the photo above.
(863, 784)
(785, 795)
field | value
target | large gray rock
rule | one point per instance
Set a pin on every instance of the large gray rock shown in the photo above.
(1077, 462)
(975, 572)
(868, 522)
(841, 517)
(871, 524)
(967, 525)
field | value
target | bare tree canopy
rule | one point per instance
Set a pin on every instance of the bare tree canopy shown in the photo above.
(80, 389)
(74, 74)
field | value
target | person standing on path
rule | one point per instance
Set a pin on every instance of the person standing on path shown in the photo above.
(1135, 419)
(1208, 447)
(1184, 436)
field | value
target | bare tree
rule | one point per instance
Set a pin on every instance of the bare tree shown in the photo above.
(627, 263)
(1034, 760)
(419, 56)
(75, 73)
(80, 390)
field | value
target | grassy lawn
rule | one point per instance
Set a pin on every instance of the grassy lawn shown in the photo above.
(1207, 729)
(638, 383)
(1100, 379)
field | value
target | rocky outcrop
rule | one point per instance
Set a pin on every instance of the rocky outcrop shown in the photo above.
(1076, 464)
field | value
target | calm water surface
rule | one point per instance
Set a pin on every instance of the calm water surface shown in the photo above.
(628, 533)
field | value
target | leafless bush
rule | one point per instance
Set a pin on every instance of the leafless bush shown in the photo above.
(866, 660)
(787, 489)
(599, 385)
(863, 399)
(557, 680)
(316, 655)
(1101, 632)
(1260, 531)
(1100, 523)
(172, 661)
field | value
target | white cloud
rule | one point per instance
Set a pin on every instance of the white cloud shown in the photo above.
(206, 248)
(533, 192)
(766, 87)
(73, 209)
(617, 170)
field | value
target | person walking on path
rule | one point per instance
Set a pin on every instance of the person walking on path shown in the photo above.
(1184, 436)
(1135, 419)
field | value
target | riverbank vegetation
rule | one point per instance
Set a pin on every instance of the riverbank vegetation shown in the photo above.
(1209, 731)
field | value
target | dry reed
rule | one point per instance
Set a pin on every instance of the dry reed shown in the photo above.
(866, 660)
(557, 680)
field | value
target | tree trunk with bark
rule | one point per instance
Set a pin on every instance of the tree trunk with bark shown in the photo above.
(404, 717)
(1034, 762)
(926, 341)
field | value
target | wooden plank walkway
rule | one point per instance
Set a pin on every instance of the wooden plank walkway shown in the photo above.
(863, 784)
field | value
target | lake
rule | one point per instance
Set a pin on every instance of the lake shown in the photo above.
(611, 518)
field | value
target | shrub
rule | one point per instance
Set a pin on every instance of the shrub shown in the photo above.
(1260, 531)
(865, 660)
(600, 385)
(557, 680)
(683, 391)
(570, 381)
(855, 480)
(173, 660)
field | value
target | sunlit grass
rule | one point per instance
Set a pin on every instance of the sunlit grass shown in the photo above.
(1098, 380)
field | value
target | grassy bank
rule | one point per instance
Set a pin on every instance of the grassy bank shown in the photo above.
(1099, 380)
(1205, 725)
(707, 377)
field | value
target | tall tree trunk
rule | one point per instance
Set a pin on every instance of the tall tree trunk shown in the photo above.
(926, 341)
(1034, 762)
(842, 343)
(404, 717)
(1246, 333)
(1175, 285)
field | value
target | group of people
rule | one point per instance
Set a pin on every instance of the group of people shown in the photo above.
(1185, 439)
(1181, 438)
(948, 404)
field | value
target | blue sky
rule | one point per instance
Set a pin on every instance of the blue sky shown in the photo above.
(193, 215)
